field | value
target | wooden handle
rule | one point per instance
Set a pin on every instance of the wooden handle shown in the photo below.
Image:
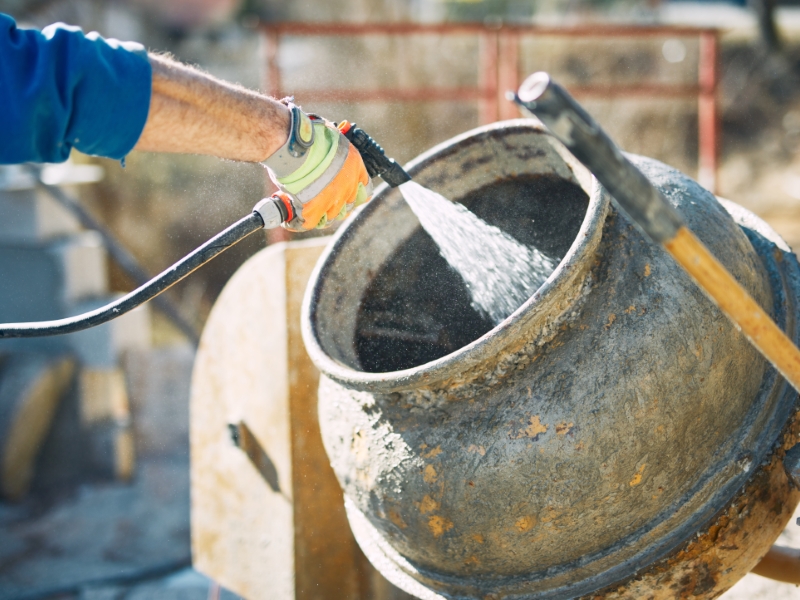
(780, 564)
(736, 303)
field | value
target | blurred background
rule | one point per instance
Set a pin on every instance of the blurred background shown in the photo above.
(711, 88)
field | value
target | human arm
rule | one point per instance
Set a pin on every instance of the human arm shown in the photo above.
(193, 112)
(61, 89)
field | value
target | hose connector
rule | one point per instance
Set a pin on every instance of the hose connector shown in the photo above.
(275, 210)
(375, 159)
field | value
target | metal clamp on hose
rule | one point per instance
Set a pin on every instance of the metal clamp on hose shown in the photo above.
(275, 210)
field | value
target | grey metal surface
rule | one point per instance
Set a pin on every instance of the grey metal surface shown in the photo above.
(270, 213)
(587, 436)
(578, 131)
(792, 464)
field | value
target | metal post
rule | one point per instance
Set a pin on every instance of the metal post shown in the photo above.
(507, 73)
(272, 83)
(708, 125)
(273, 73)
(487, 77)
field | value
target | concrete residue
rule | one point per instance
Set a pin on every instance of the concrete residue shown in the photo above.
(429, 474)
(564, 428)
(532, 429)
(438, 525)
(637, 478)
(395, 518)
(431, 453)
(428, 504)
(525, 523)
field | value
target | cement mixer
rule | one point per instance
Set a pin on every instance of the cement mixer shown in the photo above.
(616, 437)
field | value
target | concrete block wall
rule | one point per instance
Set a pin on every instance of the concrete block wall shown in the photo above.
(50, 269)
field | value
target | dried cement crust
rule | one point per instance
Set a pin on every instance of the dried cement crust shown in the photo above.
(741, 535)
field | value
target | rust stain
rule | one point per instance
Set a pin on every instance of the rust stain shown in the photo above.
(433, 453)
(611, 318)
(647, 270)
(439, 525)
(472, 560)
(637, 479)
(525, 523)
(395, 518)
(531, 430)
(564, 428)
(726, 549)
(551, 515)
(477, 537)
(479, 449)
(428, 504)
(630, 309)
(429, 474)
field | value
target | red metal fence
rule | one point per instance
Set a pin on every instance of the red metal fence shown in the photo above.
(499, 70)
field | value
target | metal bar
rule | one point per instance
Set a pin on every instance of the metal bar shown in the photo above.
(394, 95)
(645, 89)
(499, 71)
(508, 73)
(349, 29)
(471, 94)
(488, 105)
(272, 44)
(708, 124)
(273, 85)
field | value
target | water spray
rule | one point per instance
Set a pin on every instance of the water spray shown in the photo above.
(267, 214)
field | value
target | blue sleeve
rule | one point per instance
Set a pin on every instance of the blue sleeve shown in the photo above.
(61, 89)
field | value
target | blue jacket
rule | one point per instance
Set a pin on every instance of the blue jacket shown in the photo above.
(61, 89)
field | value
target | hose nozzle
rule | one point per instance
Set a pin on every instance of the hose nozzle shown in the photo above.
(375, 159)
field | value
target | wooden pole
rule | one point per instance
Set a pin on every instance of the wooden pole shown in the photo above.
(736, 303)
(656, 217)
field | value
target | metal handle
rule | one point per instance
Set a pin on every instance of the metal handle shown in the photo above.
(633, 193)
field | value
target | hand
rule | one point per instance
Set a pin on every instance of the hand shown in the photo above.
(330, 181)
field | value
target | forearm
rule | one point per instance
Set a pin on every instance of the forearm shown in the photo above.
(193, 112)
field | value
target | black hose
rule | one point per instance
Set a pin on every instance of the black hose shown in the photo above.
(120, 255)
(219, 243)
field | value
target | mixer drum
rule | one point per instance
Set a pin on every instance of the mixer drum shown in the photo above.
(615, 437)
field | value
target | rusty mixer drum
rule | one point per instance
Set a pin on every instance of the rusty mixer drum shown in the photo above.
(615, 437)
